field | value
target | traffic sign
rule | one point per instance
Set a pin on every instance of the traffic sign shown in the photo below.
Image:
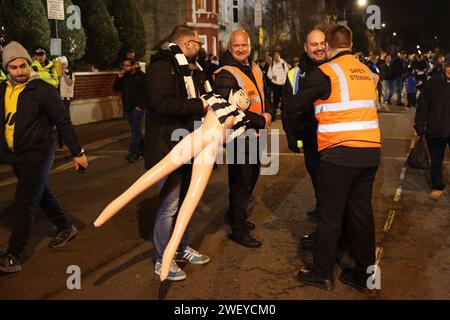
(55, 9)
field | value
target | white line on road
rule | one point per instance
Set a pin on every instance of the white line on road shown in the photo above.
(378, 254)
(389, 221)
(398, 194)
(59, 169)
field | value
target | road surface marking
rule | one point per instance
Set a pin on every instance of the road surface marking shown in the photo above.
(70, 165)
(378, 254)
(389, 221)
(59, 169)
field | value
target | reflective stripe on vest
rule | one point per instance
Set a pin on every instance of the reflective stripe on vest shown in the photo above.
(255, 93)
(349, 116)
(294, 79)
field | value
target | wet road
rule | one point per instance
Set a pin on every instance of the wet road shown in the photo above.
(413, 235)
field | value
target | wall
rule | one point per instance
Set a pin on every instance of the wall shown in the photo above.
(94, 98)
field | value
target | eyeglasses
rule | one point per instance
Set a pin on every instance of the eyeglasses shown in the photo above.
(197, 42)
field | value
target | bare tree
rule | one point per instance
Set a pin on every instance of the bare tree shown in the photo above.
(288, 22)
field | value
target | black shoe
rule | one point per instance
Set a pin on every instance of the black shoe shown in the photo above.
(313, 216)
(63, 237)
(245, 240)
(310, 278)
(9, 263)
(250, 225)
(401, 104)
(308, 241)
(358, 281)
(131, 158)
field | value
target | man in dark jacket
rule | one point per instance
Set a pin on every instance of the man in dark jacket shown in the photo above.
(173, 105)
(348, 159)
(398, 70)
(433, 121)
(29, 108)
(420, 68)
(131, 83)
(242, 177)
(304, 126)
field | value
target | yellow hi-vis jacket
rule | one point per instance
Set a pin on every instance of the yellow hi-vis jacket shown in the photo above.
(294, 76)
(47, 73)
(349, 116)
(2, 75)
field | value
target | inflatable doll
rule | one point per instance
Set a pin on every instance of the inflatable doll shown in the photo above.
(223, 122)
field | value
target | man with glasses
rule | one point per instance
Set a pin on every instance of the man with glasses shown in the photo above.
(130, 82)
(175, 84)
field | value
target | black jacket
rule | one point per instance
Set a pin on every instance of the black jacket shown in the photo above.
(433, 111)
(225, 82)
(398, 68)
(168, 107)
(39, 109)
(299, 124)
(385, 71)
(132, 87)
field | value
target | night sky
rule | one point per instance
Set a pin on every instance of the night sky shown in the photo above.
(415, 21)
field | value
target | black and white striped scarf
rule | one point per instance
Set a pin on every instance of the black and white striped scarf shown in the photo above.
(186, 71)
(221, 107)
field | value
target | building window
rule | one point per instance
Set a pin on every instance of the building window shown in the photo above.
(236, 11)
(214, 46)
(201, 5)
(204, 39)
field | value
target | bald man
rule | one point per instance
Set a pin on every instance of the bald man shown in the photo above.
(238, 72)
(303, 126)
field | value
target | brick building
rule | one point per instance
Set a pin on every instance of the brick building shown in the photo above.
(161, 16)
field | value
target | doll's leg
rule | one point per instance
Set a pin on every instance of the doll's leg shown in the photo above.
(184, 151)
(203, 165)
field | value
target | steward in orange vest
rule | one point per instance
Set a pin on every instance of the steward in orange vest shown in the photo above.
(344, 93)
(233, 76)
(238, 73)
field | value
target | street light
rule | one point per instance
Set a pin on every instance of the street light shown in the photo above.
(362, 3)
(383, 25)
(394, 34)
(418, 47)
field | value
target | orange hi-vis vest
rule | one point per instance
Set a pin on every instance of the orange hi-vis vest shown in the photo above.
(349, 116)
(254, 92)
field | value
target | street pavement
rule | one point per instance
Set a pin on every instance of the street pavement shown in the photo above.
(116, 260)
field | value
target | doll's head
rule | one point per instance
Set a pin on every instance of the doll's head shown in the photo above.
(239, 99)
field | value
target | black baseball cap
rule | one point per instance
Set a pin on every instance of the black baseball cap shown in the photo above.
(40, 51)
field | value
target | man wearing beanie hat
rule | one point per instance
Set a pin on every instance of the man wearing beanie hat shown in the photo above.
(29, 108)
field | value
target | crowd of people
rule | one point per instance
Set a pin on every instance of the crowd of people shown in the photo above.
(328, 103)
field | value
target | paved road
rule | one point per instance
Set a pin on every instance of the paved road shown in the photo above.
(116, 260)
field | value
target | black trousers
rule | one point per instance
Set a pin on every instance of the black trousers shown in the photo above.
(32, 193)
(277, 94)
(311, 153)
(242, 179)
(345, 192)
(437, 148)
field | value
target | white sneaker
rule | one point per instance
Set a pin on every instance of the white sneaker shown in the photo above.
(192, 256)
(175, 273)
